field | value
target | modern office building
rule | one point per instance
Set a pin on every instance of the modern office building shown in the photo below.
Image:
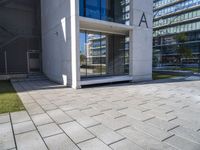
(173, 20)
(93, 41)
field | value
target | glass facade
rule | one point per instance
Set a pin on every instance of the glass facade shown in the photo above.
(176, 42)
(107, 10)
(103, 54)
(176, 7)
(177, 18)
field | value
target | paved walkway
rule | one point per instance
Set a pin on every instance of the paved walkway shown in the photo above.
(156, 116)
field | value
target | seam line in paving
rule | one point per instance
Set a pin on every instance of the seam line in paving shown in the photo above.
(146, 110)
(94, 125)
(26, 132)
(13, 131)
(173, 128)
(38, 131)
(185, 106)
(167, 138)
(117, 141)
(33, 121)
(64, 132)
(64, 122)
(85, 108)
(104, 110)
(52, 135)
(148, 119)
(123, 128)
(97, 115)
(122, 108)
(115, 101)
(120, 116)
(87, 140)
(92, 103)
(173, 119)
(68, 109)
(169, 111)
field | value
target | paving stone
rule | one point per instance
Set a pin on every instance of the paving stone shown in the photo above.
(125, 145)
(113, 113)
(4, 118)
(170, 104)
(41, 119)
(34, 109)
(114, 124)
(49, 129)
(162, 124)
(162, 115)
(49, 107)
(6, 136)
(93, 144)
(91, 112)
(59, 116)
(27, 99)
(76, 132)
(136, 114)
(182, 144)
(30, 141)
(143, 140)
(105, 134)
(81, 118)
(187, 134)
(157, 133)
(60, 142)
(18, 117)
(187, 124)
(101, 106)
(23, 127)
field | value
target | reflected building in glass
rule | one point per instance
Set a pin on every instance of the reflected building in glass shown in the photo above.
(101, 41)
(173, 20)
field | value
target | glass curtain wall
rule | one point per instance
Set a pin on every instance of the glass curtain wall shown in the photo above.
(103, 54)
(107, 10)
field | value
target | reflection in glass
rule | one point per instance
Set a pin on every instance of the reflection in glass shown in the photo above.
(103, 54)
(93, 41)
(92, 9)
(83, 58)
(108, 10)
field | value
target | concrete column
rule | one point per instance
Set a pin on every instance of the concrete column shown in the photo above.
(141, 40)
(75, 47)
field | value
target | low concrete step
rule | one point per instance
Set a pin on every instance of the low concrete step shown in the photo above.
(34, 77)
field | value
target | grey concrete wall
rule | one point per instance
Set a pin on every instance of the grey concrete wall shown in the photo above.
(56, 40)
(141, 40)
(19, 18)
(19, 32)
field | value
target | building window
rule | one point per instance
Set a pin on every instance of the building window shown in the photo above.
(107, 10)
(103, 54)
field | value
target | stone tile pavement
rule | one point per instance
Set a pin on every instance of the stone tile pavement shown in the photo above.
(154, 116)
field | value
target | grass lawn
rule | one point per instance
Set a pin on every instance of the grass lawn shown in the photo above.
(9, 100)
(188, 69)
(157, 76)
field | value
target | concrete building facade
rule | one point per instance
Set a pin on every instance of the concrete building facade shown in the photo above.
(77, 42)
(89, 42)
